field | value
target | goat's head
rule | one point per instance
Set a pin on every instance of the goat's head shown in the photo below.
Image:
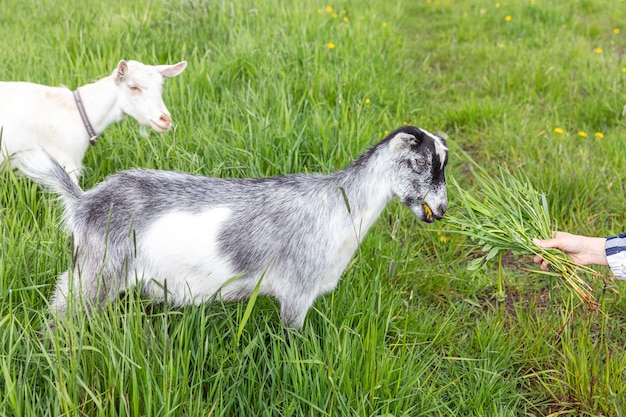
(141, 88)
(418, 173)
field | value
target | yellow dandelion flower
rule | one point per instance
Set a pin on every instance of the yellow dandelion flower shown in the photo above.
(624, 70)
(582, 134)
(346, 19)
(334, 15)
(599, 135)
(508, 18)
(558, 130)
(497, 5)
(386, 132)
(405, 123)
(598, 51)
(330, 45)
(344, 12)
(444, 238)
(616, 31)
(367, 101)
(385, 24)
(329, 9)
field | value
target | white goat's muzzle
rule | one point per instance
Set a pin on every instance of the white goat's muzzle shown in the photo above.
(162, 124)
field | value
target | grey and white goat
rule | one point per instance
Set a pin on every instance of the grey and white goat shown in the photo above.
(65, 122)
(191, 234)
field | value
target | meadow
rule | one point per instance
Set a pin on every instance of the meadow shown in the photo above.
(272, 88)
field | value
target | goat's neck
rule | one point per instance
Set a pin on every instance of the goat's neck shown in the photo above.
(100, 100)
(367, 191)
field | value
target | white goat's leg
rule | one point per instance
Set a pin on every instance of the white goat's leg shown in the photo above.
(74, 174)
(72, 167)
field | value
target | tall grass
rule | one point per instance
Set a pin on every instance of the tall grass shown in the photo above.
(409, 331)
(504, 213)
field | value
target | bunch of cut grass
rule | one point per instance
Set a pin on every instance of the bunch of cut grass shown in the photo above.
(505, 213)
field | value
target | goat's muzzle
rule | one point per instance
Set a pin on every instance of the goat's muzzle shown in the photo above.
(429, 215)
(162, 124)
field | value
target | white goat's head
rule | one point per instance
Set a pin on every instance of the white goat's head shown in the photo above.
(141, 91)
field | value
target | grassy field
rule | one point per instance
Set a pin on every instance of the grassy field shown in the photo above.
(280, 87)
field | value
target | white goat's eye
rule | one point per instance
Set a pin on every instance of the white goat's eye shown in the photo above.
(135, 89)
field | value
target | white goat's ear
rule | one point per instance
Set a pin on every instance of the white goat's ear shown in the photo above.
(121, 71)
(402, 141)
(172, 70)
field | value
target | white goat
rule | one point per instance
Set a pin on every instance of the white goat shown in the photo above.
(189, 235)
(64, 123)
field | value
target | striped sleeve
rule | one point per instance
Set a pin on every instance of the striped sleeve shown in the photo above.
(616, 255)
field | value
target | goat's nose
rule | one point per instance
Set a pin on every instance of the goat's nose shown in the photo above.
(165, 120)
(441, 210)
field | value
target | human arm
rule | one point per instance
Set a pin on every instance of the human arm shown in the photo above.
(586, 250)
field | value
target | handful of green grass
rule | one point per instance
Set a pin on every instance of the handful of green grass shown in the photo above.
(504, 213)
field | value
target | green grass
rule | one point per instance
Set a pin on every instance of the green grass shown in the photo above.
(409, 331)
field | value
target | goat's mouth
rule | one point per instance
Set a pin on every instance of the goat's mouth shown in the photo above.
(160, 126)
(422, 210)
(428, 213)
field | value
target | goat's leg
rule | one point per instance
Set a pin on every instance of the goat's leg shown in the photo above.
(74, 170)
(93, 289)
(61, 297)
(293, 310)
(75, 286)
(59, 300)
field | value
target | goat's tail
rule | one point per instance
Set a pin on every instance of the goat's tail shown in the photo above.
(39, 166)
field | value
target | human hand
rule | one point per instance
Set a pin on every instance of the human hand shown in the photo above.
(582, 249)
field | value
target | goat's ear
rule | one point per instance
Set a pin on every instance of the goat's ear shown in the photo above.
(404, 140)
(172, 70)
(121, 71)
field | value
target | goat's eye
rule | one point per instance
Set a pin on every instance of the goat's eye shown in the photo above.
(135, 89)
(418, 164)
